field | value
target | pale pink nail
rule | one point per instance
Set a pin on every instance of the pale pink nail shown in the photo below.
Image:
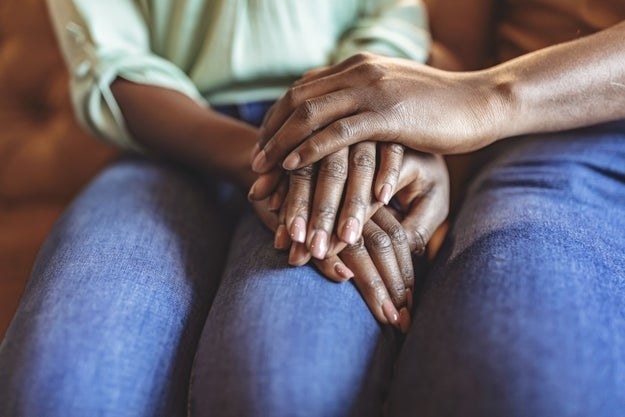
(386, 193)
(343, 271)
(319, 244)
(390, 312)
(298, 230)
(350, 230)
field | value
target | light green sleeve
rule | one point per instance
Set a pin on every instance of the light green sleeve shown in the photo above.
(396, 28)
(103, 40)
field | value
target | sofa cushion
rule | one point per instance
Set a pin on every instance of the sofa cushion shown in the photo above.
(45, 158)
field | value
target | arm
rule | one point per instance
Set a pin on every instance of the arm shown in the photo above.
(570, 85)
(172, 125)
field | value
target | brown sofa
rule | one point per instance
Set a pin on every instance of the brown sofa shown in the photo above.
(45, 157)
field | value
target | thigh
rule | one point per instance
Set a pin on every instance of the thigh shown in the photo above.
(524, 311)
(110, 319)
(285, 341)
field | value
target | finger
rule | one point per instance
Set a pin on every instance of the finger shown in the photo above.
(422, 221)
(380, 247)
(298, 202)
(265, 184)
(391, 157)
(334, 268)
(358, 191)
(312, 74)
(328, 191)
(427, 203)
(305, 117)
(370, 283)
(282, 240)
(276, 200)
(385, 219)
(337, 135)
(314, 83)
(327, 71)
(298, 255)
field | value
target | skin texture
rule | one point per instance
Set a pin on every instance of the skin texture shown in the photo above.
(369, 97)
(177, 128)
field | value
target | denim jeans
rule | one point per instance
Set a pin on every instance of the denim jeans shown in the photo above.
(153, 297)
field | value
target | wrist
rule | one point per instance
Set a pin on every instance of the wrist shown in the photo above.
(503, 104)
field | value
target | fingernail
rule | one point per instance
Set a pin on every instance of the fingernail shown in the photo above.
(250, 195)
(343, 271)
(259, 162)
(275, 202)
(298, 254)
(390, 312)
(255, 152)
(319, 244)
(298, 230)
(386, 193)
(281, 240)
(350, 230)
(291, 162)
(404, 320)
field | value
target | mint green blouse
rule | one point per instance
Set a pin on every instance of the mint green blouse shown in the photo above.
(219, 51)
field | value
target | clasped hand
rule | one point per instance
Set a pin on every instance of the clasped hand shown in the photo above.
(335, 212)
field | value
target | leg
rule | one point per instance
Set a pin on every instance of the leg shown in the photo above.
(524, 311)
(111, 316)
(284, 341)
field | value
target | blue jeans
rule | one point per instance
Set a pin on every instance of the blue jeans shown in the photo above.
(149, 298)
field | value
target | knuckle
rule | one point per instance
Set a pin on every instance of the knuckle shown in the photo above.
(291, 97)
(370, 70)
(408, 273)
(326, 214)
(362, 56)
(395, 149)
(334, 168)
(419, 240)
(363, 159)
(299, 204)
(306, 173)
(397, 234)
(306, 110)
(343, 129)
(356, 203)
(392, 173)
(357, 247)
(379, 241)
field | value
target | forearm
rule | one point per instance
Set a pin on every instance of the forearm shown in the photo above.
(172, 125)
(570, 85)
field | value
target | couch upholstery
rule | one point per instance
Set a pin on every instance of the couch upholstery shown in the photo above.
(45, 158)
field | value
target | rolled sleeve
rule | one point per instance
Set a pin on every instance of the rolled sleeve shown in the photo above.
(389, 27)
(102, 41)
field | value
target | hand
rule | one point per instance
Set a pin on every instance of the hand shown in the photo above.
(344, 179)
(382, 269)
(368, 97)
(384, 276)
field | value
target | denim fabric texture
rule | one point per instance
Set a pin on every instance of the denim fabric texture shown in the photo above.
(152, 296)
